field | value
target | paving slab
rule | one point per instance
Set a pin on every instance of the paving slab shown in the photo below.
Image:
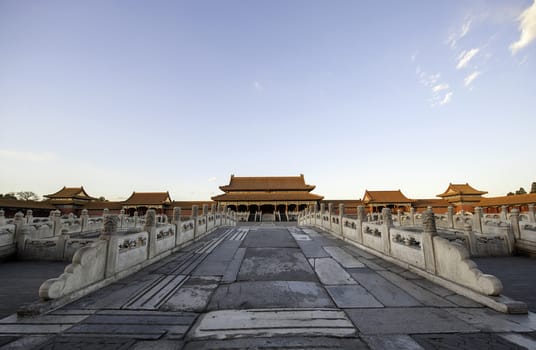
(331, 273)
(216, 263)
(422, 295)
(384, 291)
(433, 287)
(27, 342)
(275, 264)
(391, 342)
(265, 294)
(233, 268)
(192, 295)
(407, 321)
(343, 258)
(492, 321)
(157, 293)
(69, 343)
(317, 343)
(313, 249)
(462, 301)
(352, 296)
(133, 325)
(160, 344)
(520, 339)
(360, 253)
(272, 322)
(266, 237)
(465, 341)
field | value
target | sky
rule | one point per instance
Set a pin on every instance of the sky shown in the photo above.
(122, 96)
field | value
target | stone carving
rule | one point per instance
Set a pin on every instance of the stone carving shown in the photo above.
(428, 221)
(131, 243)
(387, 217)
(150, 218)
(110, 225)
(165, 234)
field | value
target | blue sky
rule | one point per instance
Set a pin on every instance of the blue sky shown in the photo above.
(123, 96)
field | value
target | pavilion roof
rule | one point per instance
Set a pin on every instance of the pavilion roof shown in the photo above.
(148, 198)
(518, 199)
(267, 183)
(460, 189)
(385, 197)
(268, 196)
(70, 192)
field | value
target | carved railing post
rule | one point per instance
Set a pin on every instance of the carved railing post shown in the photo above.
(29, 216)
(341, 216)
(136, 218)
(514, 222)
(429, 232)
(150, 227)
(122, 218)
(399, 216)
(477, 220)
(19, 231)
(195, 214)
(412, 216)
(56, 219)
(386, 230)
(532, 215)
(450, 216)
(177, 222)
(84, 217)
(2, 217)
(471, 239)
(109, 233)
(504, 213)
(105, 212)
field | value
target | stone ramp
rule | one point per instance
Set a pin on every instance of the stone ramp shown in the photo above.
(271, 287)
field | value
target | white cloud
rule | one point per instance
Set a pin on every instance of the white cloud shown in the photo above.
(440, 87)
(258, 86)
(447, 98)
(527, 26)
(470, 78)
(465, 57)
(212, 179)
(414, 56)
(463, 31)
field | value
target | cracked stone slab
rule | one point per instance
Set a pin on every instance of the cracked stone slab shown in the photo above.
(227, 324)
(331, 273)
(275, 264)
(422, 295)
(465, 341)
(383, 290)
(216, 263)
(407, 321)
(492, 321)
(343, 258)
(234, 266)
(521, 340)
(313, 250)
(391, 342)
(280, 343)
(352, 296)
(263, 294)
(67, 343)
(266, 237)
(192, 295)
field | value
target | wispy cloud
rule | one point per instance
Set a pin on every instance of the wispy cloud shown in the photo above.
(470, 78)
(465, 57)
(447, 98)
(26, 156)
(527, 27)
(212, 179)
(454, 37)
(440, 87)
(258, 86)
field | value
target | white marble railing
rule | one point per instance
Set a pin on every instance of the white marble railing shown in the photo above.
(116, 255)
(421, 248)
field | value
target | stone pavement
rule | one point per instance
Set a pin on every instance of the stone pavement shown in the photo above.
(20, 282)
(271, 287)
(518, 275)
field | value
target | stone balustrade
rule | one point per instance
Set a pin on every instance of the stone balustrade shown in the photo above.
(418, 247)
(116, 254)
